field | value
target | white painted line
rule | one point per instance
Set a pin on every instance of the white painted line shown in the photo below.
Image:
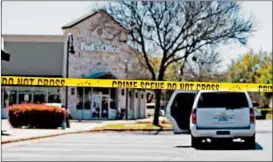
(35, 150)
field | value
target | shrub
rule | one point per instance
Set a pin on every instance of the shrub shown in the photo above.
(35, 116)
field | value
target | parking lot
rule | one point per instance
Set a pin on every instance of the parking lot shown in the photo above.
(136, 146)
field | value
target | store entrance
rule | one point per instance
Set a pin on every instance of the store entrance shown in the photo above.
(100, 106)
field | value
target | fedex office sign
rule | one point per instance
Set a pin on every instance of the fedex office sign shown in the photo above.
(98, 46)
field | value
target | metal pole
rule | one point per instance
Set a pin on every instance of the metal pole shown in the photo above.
(67, 71)
(126, 102)
(69, 50)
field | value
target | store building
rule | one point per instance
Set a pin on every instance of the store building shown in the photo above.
(101, 52)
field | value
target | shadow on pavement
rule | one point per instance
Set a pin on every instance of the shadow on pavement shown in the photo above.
(232, 146)
(152, 133)
(4, 134)
(86, 121)
(186, 146)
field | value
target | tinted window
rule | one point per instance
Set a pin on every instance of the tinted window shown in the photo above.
(222, 99)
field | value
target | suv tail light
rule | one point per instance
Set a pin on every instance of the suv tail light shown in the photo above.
(193, 116)
(252, 115)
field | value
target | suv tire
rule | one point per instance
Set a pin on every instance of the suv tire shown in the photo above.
(251, 142)
(195, 142)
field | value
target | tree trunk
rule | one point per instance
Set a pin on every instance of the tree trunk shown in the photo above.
(157, 107)
(158, 97)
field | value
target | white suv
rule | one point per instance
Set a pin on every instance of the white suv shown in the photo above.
(214, 115)
(222, 115)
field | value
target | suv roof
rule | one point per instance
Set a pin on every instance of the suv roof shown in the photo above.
(183, 91)
(206, 91)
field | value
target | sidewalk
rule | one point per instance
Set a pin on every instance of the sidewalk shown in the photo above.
(15, 135)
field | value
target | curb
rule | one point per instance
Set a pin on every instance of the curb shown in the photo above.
(77, 132)
(134, 130)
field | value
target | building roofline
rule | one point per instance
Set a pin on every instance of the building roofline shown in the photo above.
(31, 35)
(79, 20)
(32, 38)
(87, 16)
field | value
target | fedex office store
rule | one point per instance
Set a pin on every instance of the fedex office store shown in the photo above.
(101, 51)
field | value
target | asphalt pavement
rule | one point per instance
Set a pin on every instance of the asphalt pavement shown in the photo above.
(135, 146)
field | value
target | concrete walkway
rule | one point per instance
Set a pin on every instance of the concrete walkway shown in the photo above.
(15, 134)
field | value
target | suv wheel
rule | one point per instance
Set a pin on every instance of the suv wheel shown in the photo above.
(195, 142)
(251, 142)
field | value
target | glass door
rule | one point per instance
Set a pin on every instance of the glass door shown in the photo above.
(105, 106)
(96, 106)
(100, 106)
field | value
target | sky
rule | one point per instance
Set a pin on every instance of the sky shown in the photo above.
(47, 18)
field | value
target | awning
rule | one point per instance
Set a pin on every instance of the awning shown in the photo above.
(5, 55)
(105, 75)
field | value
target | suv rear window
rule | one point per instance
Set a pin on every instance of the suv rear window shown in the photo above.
(222, 99)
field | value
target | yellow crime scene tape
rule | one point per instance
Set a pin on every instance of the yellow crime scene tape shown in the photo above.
(135, 84)
(266, 109)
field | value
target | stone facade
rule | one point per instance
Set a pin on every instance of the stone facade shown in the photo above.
(108, 47)
(100, 45)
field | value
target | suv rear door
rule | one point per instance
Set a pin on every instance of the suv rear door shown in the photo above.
(222, 110)
(178, 110)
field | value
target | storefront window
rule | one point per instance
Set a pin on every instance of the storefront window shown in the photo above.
(54, 95)
(101, 90)
(87, 98)
(122, 92)
(79, 98)
(39, 97)
(54, 98)
(19, 95)
(8, 97)
(12, 97)
(5, 98)
(113, 94)
(25, 96)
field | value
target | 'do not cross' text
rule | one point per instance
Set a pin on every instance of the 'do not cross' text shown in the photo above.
(33, 81)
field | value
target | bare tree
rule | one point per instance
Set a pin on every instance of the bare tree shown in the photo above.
(177, 29)
(204, 65)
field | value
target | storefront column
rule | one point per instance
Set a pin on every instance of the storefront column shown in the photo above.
(117, 103)
(17, 94)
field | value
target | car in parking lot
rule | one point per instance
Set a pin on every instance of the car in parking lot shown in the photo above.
(60, 105)
(150, 108)
(178, 110)
(213, 115)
